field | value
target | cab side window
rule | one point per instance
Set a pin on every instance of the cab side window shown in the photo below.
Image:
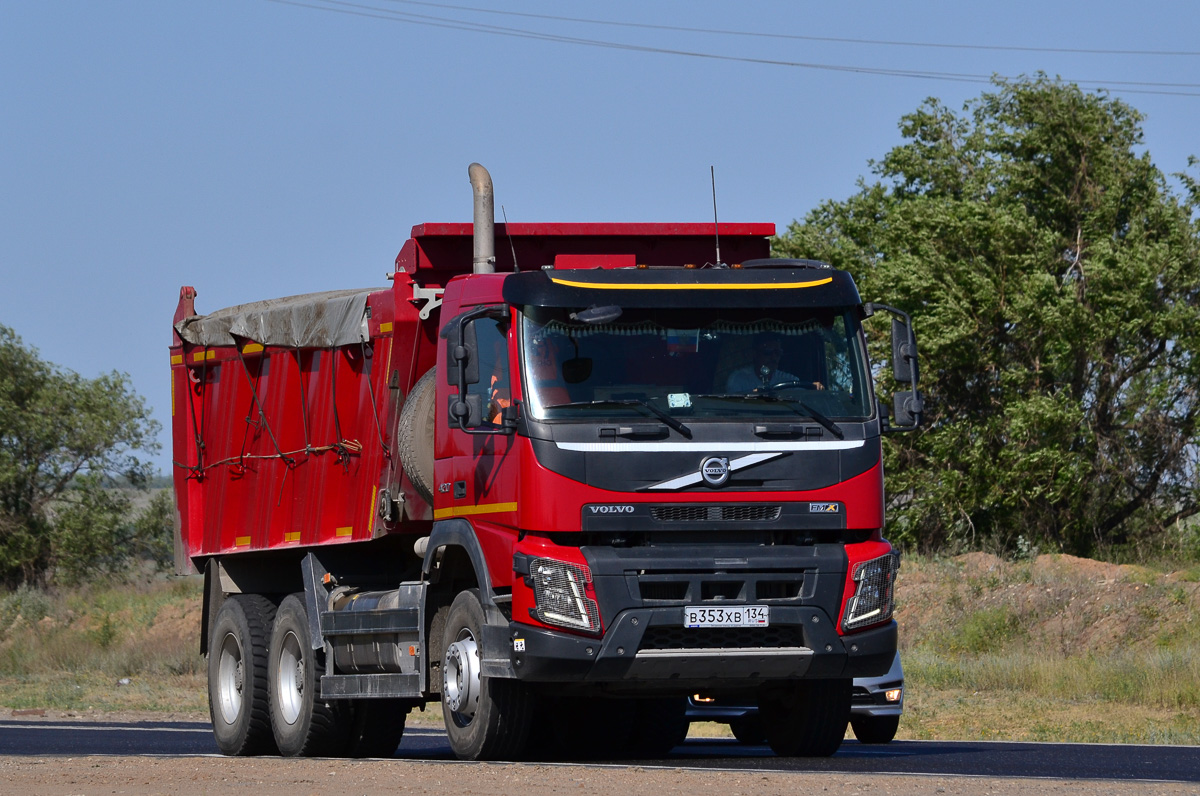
(494, 385)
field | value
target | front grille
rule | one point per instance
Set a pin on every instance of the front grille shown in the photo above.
(674, 590)
(734, 513)
(705, 638)
(778, 589)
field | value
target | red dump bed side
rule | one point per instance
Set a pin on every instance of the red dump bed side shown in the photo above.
(277, 446)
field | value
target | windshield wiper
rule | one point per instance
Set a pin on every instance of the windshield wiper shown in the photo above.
(652, 408)
(766, 396)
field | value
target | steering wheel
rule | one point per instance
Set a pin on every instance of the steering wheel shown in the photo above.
(787, 385)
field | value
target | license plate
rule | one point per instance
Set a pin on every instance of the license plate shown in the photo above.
(726, 616)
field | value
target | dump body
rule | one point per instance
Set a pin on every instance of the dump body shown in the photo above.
(609, 472)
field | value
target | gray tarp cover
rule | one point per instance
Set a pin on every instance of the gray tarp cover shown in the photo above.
(315, 320)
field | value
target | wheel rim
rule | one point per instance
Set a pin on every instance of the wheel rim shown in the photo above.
(461, 686)
(290, 678)
(231, 679)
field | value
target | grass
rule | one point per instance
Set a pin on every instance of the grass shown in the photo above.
(113, 647)
(1047, 649)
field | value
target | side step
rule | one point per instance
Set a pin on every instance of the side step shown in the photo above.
(363, 686)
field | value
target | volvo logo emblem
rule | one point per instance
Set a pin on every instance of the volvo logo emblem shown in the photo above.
(714, 470)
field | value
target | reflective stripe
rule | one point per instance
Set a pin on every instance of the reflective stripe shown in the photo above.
(483, 508)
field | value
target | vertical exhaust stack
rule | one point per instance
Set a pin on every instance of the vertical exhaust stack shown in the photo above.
(485, 220)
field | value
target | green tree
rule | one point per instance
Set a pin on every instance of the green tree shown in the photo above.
(1053, 274)
(64, 443)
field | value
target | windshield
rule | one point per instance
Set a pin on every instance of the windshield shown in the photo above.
(717, 364)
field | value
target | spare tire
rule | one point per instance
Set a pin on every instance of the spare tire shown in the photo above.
(414, 433)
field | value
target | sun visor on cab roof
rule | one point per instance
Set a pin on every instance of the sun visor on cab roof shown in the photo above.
(683, 288)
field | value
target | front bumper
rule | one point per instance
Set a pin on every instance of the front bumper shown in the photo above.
(650, 645)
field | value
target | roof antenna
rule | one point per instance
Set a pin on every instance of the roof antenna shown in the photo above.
(511, 245)
(716, 231)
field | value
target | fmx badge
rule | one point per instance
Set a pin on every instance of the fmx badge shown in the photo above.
(823, 508)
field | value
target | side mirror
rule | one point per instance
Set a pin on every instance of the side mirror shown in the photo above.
(462, 351)
(465, 410)
(907, 408)
(577, 370)
(904, 352)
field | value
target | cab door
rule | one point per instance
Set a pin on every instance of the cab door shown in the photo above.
(477, 479)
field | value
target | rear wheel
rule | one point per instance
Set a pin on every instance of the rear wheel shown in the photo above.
(237, 675)
(302, 723)
(487, 718)
(806, 719)
(378, 727)
(875, 729)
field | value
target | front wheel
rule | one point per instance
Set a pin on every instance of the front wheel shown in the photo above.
(806, 719)
(659, 726)
(875, 729)
(748, 730)
(487, 718)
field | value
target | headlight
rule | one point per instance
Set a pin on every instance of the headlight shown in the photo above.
(874, 595)
(560, 591)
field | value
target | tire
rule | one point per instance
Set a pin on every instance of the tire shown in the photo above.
(486, 718)
(378, 727)
(303, 724)
(237, 675)
(582, 728)
(748, 730)
(659, 726)
(875, 729)
(806, 719)
(414, 434)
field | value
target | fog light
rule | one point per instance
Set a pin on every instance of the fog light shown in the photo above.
(874, 595)
(892, 694)
(560, 591)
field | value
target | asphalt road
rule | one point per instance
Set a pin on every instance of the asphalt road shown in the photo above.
(972, 758)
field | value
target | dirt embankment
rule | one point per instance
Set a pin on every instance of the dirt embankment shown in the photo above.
(1061, 604)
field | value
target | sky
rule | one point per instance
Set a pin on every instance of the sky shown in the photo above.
(261, 148)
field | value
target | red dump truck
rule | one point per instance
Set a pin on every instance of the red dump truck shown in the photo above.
(556, 476)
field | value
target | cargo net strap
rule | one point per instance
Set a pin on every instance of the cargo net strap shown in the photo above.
(343, 448)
